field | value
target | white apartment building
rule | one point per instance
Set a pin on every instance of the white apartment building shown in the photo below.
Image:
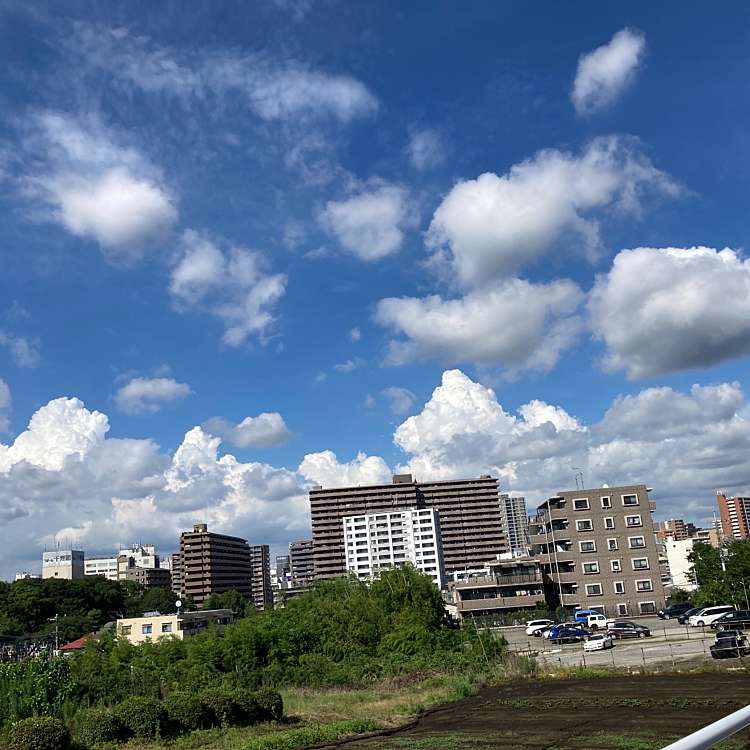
(378, 541)
(679, 566)
(63, 563)
(101, 566)
(516, 522)
(116, 568)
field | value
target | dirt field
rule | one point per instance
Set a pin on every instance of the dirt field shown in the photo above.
(615, 713)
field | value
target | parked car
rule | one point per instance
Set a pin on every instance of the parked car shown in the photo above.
(535, 627)
(674, 610)
(730, 643)
(598, 642)
(708, 614)
(582, 615)
(683, 618)
(596, 622)
(731, 620)
(568, 634)
(627, 629)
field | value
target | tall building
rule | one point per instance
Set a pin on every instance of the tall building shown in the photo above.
(301, 563)
(260, 557)
(598, 548)
(734, 513)
(675, 528)
(470, 511)
(516, 522)
(680, 568)
(150, 577)
(176, 573)
(67, 563)
(378, 541)
(213, 563)
(281, 573)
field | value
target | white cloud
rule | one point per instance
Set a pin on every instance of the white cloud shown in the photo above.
(349, 365)
(355, 334)
(96, 186)
(669, 309)
(494, 225)
(148, 395)
(426, 149)
(325, 469)
(512, 323)
(370, 224)
(233, 285)
(265, 430)
(5, 402)
(25, 353)
(604, 73)
(401, 400)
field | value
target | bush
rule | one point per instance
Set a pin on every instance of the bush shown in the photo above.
(221, 706)
(141, 717)
(185, 712)
(38, 733)
(270, 704)
(251, 711)
(97, 725)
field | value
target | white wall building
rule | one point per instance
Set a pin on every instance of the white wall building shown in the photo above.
(101, 566)
(386, 540)
(23, 575)
(679, 565)
(516, 522)
(63, 563)
(116, 568)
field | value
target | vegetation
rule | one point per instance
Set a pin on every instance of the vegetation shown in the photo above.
(37, 733)
(722, 584)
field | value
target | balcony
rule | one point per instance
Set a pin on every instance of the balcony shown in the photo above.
(499, 602)
(482, 581)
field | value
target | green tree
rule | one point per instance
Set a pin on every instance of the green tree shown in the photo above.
(229, 600)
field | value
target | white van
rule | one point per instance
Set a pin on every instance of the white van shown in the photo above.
(708, 614)
(596, 622)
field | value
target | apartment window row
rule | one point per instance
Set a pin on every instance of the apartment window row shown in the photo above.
(597, 589)
(637, 563)
(634, 542)
(583, 503)
(586, 524)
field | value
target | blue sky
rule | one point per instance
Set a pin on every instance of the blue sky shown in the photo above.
(276, 208)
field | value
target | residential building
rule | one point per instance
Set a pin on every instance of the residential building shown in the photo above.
(150, 577)
(63, 563)
(24, 575)
(471, 518)
(301, 563)
(116, 568)
(281, 573)
(516, 523)
(680, 568)
(176, 573)
(598, 547)
(734, 513)
(153, 626)
(675, 528)
(213, 563)
(260, 584)
(709, 536)
(378, 541)
(501, 586)
(101, 566)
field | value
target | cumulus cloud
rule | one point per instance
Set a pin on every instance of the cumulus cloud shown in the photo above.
(425, 149)
(661, 310)
(5, 402)
(148, 395)
(25, 353)
(263, 431)
(513, 323)
(325, 469)
(370, 224)
(604, 73)
(355, 334)
(400, 400)
(233, 285)
(496, 224)
(97, 186)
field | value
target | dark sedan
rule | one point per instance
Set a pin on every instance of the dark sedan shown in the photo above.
(730, 643)
(675, 610)
(683, 618)
(627, 629)
(731, 620)
(569, 635)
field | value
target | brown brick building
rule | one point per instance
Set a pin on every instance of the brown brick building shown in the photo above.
(301, 563)
(734, 513)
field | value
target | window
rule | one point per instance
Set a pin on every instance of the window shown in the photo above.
(587, 546)
(609, 522)
(581, 504)
(622, 610)
(125, 629)
(590, 567)
(146, 629)
(606, 502)
(612, 545)
(584, 525)
(631, 521)
(644, 585)
(166, 627)
(629, 500)
(640, 563)
(593, 589)
(636, 542)
(616, 566)
(647, 608)
(619, 587)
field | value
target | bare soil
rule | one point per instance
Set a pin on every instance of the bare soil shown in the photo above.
(642, 712)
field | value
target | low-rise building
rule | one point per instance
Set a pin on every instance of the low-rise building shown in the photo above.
(67, 564)
(101, 566)
(24, 575)
(153, 626)
(150, 577)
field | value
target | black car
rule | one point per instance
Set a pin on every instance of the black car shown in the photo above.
(627, 629)
(732, 620)
(683, 618)
(674, 610)
(730, 643)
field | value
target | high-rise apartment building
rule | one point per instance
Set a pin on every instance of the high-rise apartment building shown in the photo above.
(176, 573)
(281, 573)
(213, 563)
(378, 541)
(150, 577)
(260, 556)
(598, 548)
(301, 563)
(734, 513)
(470, 511)
(516, 523)
(63, 563)
(675, 528)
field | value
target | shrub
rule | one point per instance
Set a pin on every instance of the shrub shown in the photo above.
(251, 711)
(97, 725)
(185, 712)
(141, 717)
(270, 704)
(221, 705)
(38, 733)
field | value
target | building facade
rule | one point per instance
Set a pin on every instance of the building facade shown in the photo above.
(153, 626)
(213, 563)
(101, 566)
(68, 564)
(675, 528)
(379, 541)
(471, 518)
(260, 556)
(598, 548)
(176, 573)
(281, 573)
(516, 522)
(301, 563)
(734, 513)
(680, 568)
(150, 577)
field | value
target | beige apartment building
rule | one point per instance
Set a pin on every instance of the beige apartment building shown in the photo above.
(598, 548)
(153, 626)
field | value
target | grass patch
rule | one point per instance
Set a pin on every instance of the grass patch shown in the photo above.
(639, 742)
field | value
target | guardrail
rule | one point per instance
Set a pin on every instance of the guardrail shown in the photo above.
(713, 733)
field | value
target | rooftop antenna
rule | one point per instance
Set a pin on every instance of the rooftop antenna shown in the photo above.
(578, 477)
